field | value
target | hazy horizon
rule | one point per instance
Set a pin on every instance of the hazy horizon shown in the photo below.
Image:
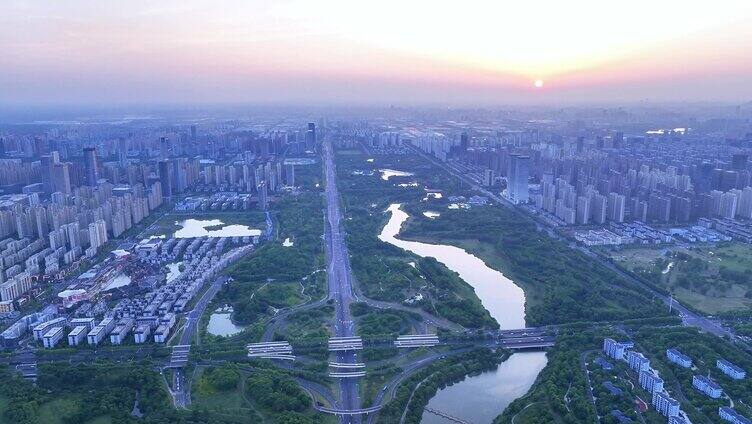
(83, 52)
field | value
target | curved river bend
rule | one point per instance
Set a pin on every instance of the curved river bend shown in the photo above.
(477, 399)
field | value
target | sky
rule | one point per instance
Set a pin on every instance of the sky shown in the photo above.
(401, 52)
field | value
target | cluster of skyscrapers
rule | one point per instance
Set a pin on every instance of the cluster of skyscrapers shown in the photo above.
(60, 201)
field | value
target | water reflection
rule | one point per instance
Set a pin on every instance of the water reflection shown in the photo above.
(481, 398)
(198, 228)
(220, 323)
(389, 173)
(504, 300)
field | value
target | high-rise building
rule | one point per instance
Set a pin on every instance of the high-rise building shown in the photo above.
(616, 207)
(164, 148)
(650, 381)
(91, 166)
(583, 210)
(728, 205)
(310, 137)
(637, 361)
(464, 144)
(61, 178)
(165, 178)
(517, 178)
(122, 148)
(40, 148)
(739, 161)
(599, 208)
(745, 204)
(262, 195)
(290, 174)
(665, 404)
(48, 171)
(488, 177)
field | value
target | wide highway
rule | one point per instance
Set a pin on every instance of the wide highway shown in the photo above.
(340, 283)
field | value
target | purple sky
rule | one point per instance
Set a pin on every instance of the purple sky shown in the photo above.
(385, 52)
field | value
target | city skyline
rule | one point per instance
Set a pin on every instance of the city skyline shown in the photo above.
(482, 53)
(299, 212)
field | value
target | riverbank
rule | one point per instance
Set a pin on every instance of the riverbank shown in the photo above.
(561, 284)
(504, 300)
(415, 393)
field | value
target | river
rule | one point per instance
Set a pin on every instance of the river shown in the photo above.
(477, 399)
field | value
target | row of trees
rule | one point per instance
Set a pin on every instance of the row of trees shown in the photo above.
(275, 391)
(85, 392)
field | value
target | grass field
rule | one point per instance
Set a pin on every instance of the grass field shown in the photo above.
(712, 279)
(312, 324)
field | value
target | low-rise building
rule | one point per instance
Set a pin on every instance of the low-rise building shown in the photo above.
(121, 330)
(41, 329)
(707, 385)
(87, 323)
(730, 369)
(620, 417)
(51, 337)
(141, 334)
(678, 419)
(161, 334)
(96, 335)
(6, 307)
(615, 391)
(730, 415)
(603, 363)
(77, 335)
(100, 331)
(678, 358)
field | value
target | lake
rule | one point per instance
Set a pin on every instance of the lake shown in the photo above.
(220, 323)
(192, 228)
